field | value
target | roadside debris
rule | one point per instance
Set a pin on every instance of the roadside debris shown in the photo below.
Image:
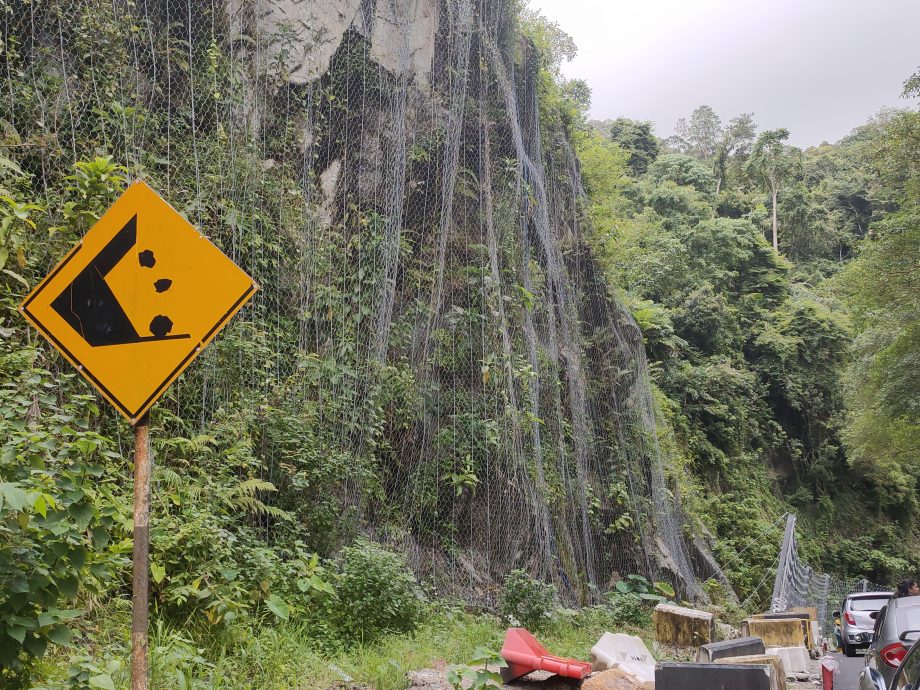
(524, 654)
(775, 658)
(627, 654)
(741, 646)
(683, 627)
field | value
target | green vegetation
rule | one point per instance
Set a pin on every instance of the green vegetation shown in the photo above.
(330, 438)
(785, 377)
(526, 602)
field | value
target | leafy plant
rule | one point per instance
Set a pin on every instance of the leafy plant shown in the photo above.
(628, 608)
(60, 507)
(641, 587)
(473, 677)
(526, 600)
(376, 593)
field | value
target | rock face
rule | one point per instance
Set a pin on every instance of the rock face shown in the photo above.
(305, 34)
(402, 41)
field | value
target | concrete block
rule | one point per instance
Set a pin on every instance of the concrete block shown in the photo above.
(713, 677)
(782, 632)
(681, 626)
(778, 615)
(627, 652)
(795, 659)
(810, 610)
(741, 646)
(779, 672)
(803, 616)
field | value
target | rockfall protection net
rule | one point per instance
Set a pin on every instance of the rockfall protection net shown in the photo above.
(799, 585)
(435, 357)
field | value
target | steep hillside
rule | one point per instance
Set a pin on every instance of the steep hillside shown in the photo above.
(435, 359)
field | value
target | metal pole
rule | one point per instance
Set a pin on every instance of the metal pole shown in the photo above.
(139, 595)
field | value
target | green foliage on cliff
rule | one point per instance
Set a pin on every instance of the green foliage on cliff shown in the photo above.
(764, 404)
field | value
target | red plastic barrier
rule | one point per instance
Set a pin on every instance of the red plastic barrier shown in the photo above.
(827, 678)
(524, 655)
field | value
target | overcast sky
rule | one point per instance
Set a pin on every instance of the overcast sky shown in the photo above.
(817, 67)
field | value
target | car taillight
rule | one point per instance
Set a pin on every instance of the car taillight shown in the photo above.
(851, 620)
(893, 654)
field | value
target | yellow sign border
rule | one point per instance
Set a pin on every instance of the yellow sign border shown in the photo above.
(132, 415)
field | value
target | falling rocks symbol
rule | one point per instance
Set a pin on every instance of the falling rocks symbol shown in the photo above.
(92, 309)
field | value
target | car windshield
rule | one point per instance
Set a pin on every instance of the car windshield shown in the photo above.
(867, 604)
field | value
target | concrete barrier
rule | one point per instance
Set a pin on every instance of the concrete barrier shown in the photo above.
(803, 615)
(795, 659)
(713, 677)
(681, 626)
(627, 652)
(782, 632)
(779, 671)
(810, 610)
(741, 646)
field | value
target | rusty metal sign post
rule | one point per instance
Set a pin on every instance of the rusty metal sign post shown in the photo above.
(140, 605)
(131, 306)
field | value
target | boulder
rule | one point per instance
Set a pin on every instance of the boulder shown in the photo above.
(615, 679)
(742, 646)
(681, 626)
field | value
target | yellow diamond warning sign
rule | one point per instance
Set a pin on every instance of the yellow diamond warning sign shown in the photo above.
(137, 299)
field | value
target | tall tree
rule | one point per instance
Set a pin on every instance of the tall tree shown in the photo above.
(638, 140)
(736, 141)
(772, 162)
(702, 133)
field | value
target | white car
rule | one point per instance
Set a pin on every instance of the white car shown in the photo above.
(857, 621)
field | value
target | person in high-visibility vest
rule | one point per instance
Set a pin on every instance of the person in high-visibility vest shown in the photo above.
(838, 639)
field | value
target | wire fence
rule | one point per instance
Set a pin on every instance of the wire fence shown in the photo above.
(436, 358)
(797, 584)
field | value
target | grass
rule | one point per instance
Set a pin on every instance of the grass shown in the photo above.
(260, 655)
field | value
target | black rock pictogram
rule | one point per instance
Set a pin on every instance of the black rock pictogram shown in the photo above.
(161, 325)
(146, 258)
(92, 309)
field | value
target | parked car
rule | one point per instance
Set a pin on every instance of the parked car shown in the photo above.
(897, 625)
(905, 677)
(857, 621)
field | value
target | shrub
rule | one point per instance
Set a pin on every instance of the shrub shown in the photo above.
(376, 593)
(60, 502)
(526, 600)
(628, 607)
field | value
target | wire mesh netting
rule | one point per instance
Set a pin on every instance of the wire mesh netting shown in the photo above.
(435, 358)
(799, 585)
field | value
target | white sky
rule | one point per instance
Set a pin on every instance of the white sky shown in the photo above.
(817, 67)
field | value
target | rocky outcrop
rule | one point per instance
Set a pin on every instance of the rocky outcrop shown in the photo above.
(402, 40)
(305, 34)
